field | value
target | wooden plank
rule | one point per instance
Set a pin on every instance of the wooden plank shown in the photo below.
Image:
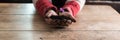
(92, 17)
(98, 17)
(59, 35)
(94, 22)
(16, 8)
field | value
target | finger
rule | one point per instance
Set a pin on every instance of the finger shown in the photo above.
(72, 19)
(69, 22)
(51, 13)
(54, 22)
(64, 22)
(67, 14)
(48, 20)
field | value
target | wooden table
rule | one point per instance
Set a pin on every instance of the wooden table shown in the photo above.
(94, 22)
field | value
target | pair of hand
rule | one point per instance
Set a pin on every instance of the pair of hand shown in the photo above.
(64, 18)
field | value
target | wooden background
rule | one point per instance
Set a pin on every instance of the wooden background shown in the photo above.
(95, 22)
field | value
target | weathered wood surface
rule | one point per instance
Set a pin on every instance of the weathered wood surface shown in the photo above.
(94, 22)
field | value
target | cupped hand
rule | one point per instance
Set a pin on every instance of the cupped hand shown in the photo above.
(64, 18)
(67, 16)
(48, 15)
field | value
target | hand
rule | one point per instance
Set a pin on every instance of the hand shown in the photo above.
(48, 15)
(68, 16)
(63, 19)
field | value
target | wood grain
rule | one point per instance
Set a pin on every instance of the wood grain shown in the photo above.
(94, 22)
